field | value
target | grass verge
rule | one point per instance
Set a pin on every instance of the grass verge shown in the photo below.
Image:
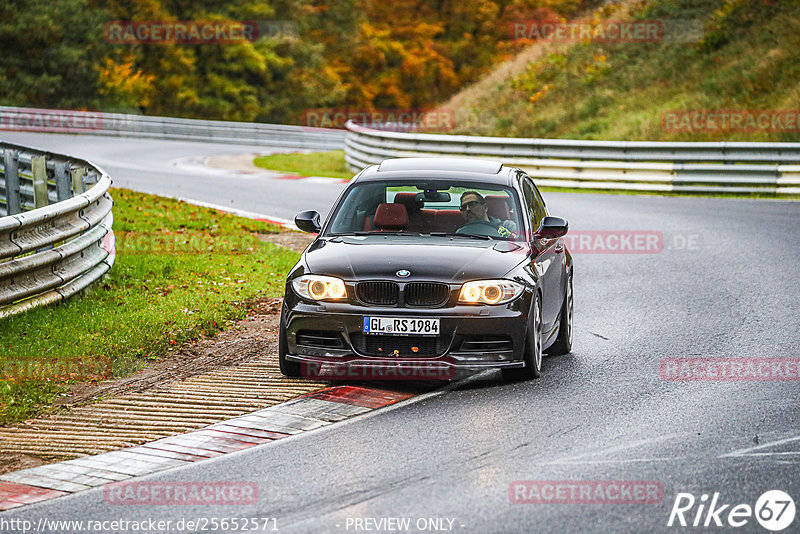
(181, 272)
(723, 56)
(330, 164)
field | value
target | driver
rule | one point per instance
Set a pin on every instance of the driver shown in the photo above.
(473, 206)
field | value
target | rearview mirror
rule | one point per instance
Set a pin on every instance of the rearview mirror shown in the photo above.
(552, 228)
(433, 196)
(308, 221)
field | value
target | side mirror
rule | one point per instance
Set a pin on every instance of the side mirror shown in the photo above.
(552, 228)
(308, 221)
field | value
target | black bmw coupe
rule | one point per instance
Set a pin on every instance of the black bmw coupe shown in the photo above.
(427, 268)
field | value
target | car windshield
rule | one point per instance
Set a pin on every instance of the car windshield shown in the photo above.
(429, 207)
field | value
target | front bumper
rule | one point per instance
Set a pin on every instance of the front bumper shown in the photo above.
(456, 349)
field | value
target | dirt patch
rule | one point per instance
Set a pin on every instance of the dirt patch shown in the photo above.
(14, 462)
(296, 241)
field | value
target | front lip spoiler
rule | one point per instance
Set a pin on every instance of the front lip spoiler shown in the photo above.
(358, 362)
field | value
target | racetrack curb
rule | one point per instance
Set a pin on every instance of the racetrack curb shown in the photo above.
(304, 413)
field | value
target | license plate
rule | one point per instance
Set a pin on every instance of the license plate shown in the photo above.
(401, 326)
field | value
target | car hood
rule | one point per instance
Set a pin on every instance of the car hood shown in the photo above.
(431, 258)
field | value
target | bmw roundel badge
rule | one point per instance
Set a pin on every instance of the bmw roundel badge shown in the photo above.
(403, 273)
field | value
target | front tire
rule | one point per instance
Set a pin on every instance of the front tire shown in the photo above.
(563, 343)
(290, 369)
(532, 355)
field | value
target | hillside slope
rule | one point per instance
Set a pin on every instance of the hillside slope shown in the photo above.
(737, 58)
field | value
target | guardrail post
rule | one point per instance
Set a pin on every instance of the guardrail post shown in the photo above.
(78, 187)
(91, 177)
(62, 181)
(39, 168)
(12, 182)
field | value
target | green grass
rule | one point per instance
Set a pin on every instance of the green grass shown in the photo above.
(181, 272)
(330, 164)
(742, 58)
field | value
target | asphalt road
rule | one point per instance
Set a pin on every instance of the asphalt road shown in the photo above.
(175, 169)
(601, 413)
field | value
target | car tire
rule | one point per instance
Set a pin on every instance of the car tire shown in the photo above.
(290, 369)
(532, 353)
(563, 343)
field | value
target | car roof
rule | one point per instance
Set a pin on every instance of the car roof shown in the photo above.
(461, 169)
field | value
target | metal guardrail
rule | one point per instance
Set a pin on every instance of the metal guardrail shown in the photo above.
(770, 168)
(116, 124)
(55, 227)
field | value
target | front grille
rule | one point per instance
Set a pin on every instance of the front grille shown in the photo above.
(320, 338)
(426, 294)
(405, 346)
(378, 293)
(486, 343)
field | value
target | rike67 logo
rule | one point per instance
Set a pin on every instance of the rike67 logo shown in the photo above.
(774, 510)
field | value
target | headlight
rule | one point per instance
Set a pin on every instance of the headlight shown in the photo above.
(316, 287)
(489, 292)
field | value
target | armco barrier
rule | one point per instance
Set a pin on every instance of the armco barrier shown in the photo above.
(55, 227)
(770, 168)
(117, 124)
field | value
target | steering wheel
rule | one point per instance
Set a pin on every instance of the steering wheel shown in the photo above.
(480, 228)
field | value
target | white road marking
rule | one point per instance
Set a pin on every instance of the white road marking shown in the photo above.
(748, 451)
(241, 213)
(625, 461)
(785, 453)
(614, 449)
(286, 223)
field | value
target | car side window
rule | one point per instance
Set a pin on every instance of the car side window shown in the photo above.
(533, 202)
(356, 212)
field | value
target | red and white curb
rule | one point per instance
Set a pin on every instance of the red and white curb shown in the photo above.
(308, 412)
